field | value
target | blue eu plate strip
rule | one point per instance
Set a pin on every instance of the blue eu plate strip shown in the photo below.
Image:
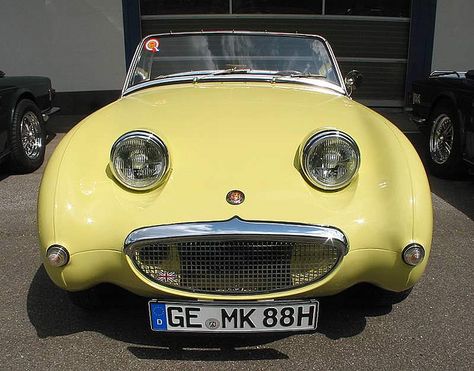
(158, 317)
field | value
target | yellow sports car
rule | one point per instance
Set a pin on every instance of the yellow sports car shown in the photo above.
(234, 183)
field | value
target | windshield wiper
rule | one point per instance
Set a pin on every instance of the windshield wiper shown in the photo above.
(182, 74)
(297, 74)
(285, 76)
(231, 71)
(276, 75)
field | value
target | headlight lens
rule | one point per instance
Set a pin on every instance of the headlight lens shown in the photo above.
(139, 160)
(330, 159)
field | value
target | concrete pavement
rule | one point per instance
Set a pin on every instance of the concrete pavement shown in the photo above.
(432, 329)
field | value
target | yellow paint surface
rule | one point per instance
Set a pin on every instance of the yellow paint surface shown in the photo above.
(225, 136)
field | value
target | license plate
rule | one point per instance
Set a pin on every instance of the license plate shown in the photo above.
(234, 317)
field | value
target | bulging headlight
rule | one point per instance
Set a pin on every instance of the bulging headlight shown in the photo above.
(139, 160)
(330, 159)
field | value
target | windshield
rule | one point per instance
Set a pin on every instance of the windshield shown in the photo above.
(215, 54)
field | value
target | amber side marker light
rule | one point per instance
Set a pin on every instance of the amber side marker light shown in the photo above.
(57, 256)
(413, 254)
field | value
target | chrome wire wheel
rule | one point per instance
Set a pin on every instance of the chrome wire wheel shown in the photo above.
(441, 139)
(31, 135)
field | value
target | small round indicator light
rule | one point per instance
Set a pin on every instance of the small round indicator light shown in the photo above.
(57, 256)
(413, 254)
(235, 197)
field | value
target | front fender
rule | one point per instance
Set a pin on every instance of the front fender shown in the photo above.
(386, 207)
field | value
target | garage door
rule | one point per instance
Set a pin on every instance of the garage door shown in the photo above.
(368, 35)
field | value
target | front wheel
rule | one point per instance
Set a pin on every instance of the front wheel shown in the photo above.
(445, 149)
(27, 137)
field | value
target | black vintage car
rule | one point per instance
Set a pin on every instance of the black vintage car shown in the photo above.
(443, 107)
(25, 105)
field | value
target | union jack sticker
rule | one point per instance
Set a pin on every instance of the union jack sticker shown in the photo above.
(167, 277)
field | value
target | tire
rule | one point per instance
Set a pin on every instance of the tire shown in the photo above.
(27, 138)
(445, 142)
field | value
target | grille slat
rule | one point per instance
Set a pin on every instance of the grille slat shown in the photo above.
(236, 266)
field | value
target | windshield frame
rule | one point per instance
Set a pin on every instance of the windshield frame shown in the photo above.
(341, 88)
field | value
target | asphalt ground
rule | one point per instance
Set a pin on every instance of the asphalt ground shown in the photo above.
(432, 329)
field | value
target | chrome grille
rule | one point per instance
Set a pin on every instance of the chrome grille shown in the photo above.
(236, 264)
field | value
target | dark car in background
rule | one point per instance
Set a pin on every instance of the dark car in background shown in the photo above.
(443, 107)
(25, 105)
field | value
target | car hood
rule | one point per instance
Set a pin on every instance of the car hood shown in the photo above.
(226, 136)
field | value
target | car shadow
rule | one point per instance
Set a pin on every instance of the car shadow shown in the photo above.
(52, 314)
(4, 174)
(196, 353)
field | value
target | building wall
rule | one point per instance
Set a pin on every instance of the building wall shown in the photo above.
(78, 44)
(454, 30)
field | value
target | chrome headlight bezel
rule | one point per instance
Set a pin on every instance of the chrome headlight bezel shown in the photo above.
(144, 135)
(315, 140)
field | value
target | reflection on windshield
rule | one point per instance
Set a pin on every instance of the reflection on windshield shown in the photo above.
(220, 54)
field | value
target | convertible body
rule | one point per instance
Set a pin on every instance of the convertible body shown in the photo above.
(185, 238)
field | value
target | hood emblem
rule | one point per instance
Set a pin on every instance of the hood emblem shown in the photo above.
(235, 197)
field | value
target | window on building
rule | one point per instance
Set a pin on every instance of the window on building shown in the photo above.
(381, 8)
(277, 7)
(166, 7)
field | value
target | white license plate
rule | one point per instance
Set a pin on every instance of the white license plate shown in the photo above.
(234, 317)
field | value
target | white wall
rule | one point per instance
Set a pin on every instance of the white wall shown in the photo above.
(453, 47)
(79, 44)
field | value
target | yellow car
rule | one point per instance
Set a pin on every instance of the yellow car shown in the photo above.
(234, 183)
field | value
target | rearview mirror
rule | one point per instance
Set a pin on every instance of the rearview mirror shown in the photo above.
(353, 81)
(2, 74)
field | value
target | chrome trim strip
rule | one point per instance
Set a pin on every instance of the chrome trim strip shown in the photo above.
(134, 62)
(276, 16)
(49, 112)
(239, 78)
(418, 120)
(438, 73)
(236, 227)
(335, 62)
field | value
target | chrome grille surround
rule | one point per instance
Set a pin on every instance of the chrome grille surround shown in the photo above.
(235, 257)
